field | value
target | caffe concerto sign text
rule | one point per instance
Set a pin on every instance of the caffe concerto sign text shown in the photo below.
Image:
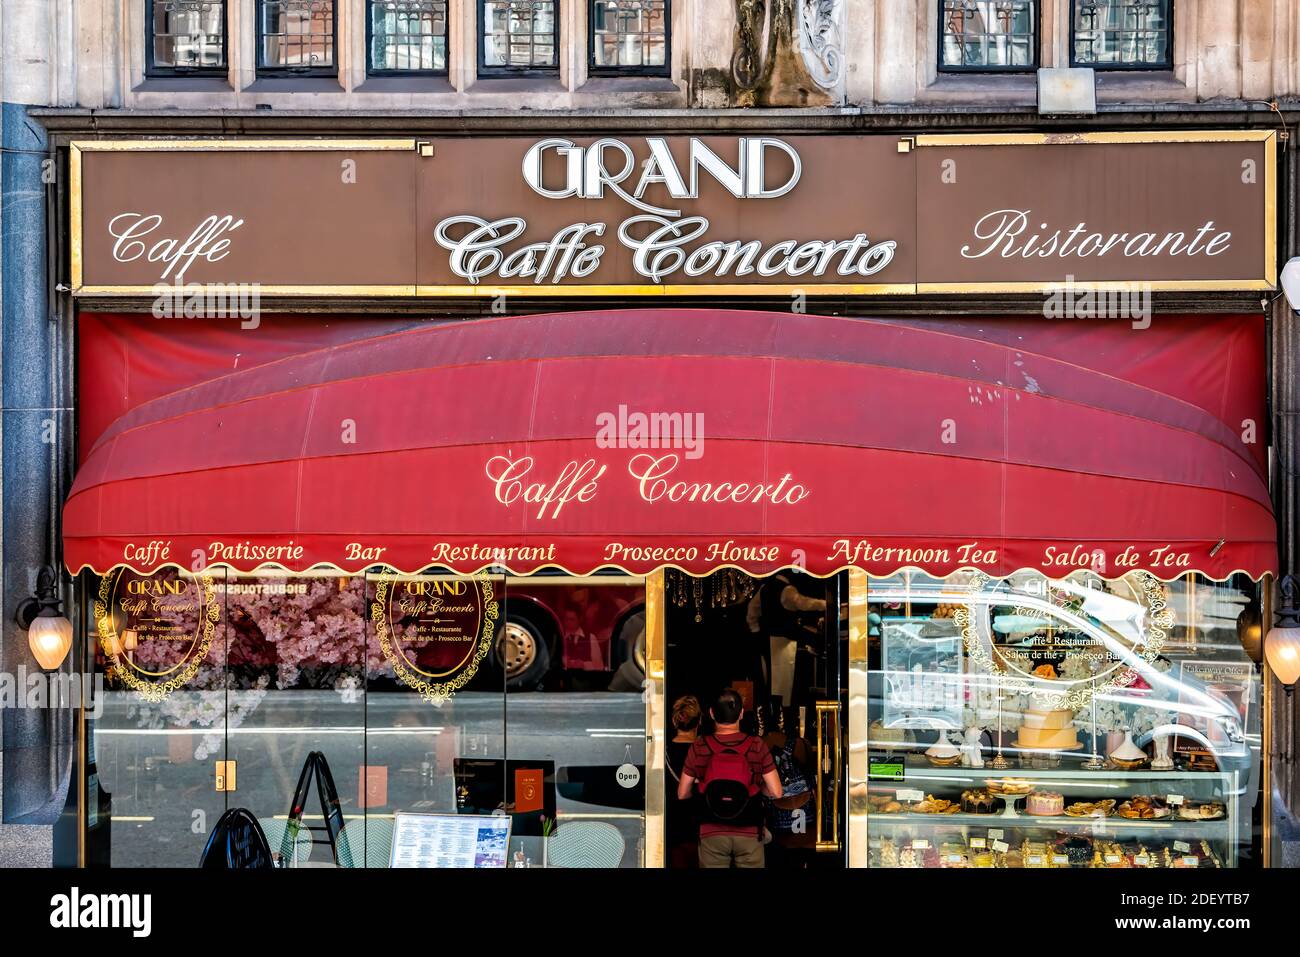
(640, 215)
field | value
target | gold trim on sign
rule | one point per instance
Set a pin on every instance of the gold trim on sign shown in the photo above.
(262, 289)
(656, 800)
(1270, 212)
(677, 289)
(1074, 139)
(75, 214)
(1101, 285)
(250, 145)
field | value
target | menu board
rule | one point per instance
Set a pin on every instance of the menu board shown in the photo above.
(449, 840)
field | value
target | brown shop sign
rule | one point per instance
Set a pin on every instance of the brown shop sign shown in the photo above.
(704, 215)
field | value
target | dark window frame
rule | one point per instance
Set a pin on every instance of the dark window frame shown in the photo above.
(1164, 67)
(284, 72)
(372, 70)
(593, 69)
(1031, 67)
(153, 71)
(499, 72)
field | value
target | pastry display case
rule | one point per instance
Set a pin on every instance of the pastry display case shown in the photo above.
(1076, 722)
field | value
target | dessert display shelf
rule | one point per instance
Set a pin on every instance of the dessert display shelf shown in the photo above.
(1178, 818)
(1169, 827)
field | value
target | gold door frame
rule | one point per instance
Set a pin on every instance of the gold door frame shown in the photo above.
(656, 799)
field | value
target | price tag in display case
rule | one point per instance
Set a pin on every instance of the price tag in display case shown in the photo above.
(1174, 800)
(920, 844)
(995, 834)
(1060, 860)
(1001, 847)
(1191, 861)
(1141, 860)
(1182, 847)
(978, 843)
(910, 795)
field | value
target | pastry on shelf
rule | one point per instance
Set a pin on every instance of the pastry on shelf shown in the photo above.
(1037, 854)
(943, 753)
(1076, 847)
(888, 854)
(1144, 807)
(1045, 803)
(1091, 808)
(952, 854)
(934, 805)
(1144, 857)
(883, 804)
(1193, 857)
(1111, 854)
(1009, 786)
(1202, 811)
(978, 801)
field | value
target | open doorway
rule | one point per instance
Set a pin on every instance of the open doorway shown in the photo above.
(779, 642)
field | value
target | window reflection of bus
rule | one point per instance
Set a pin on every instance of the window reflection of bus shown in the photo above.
(568, 633)
(1196, 712)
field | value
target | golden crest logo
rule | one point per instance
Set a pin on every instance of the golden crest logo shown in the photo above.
(435, 630)
(155, 630)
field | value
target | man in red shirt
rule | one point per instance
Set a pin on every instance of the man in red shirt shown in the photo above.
(728, 763)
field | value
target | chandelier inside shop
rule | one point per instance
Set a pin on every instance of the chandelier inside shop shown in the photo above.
(722, 589)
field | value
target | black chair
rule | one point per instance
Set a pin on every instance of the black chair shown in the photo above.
(237, 843)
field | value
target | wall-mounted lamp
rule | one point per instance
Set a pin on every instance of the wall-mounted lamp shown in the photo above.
(1282, 643)
(49, 634)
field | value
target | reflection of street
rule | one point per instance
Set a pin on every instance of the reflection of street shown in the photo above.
(163, 797)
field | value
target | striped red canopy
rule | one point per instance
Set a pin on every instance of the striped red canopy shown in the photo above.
(827, 443)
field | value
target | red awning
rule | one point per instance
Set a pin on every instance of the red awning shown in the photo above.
(826, 443)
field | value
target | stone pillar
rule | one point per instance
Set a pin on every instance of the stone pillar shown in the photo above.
(36, 424)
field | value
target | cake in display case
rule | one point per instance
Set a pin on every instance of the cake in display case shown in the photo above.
(1103, 722)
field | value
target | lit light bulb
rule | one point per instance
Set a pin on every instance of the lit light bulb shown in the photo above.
(50, 639)
(1282, 649)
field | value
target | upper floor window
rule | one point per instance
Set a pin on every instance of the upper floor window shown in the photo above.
(185, 37)
(988, 35)
(407, 36)
(630, 36)
(296, 36)
(518, 37)
(1122, 34)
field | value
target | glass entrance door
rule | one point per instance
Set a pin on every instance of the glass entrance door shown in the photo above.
(780, 642)
(156, 748)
